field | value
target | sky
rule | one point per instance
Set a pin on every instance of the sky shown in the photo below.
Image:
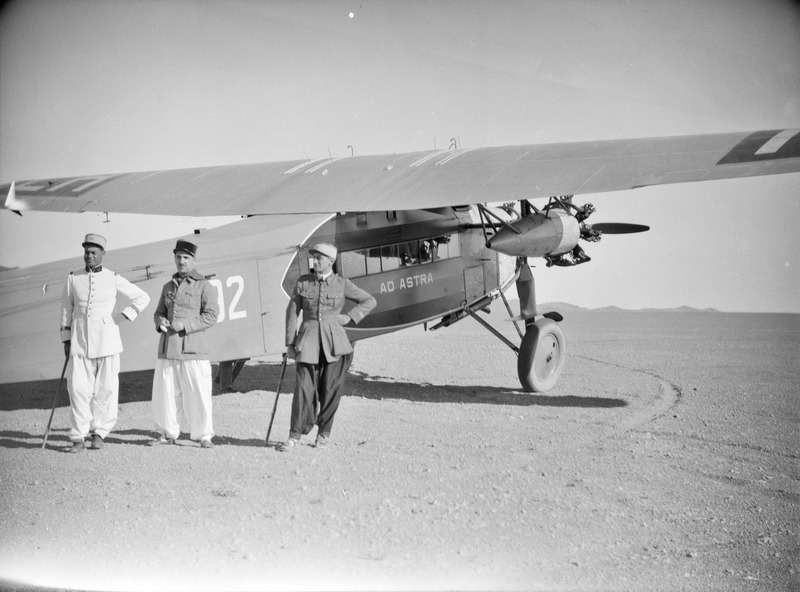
(95, 87)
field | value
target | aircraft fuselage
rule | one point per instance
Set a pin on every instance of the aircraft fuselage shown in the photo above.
(419, 265)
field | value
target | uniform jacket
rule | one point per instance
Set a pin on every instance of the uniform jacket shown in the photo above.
(87, 306)
(321, 302)
(193, 301)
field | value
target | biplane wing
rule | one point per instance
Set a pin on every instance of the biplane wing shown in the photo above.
(418, 180)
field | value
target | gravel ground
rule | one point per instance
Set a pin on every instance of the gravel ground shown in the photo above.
(665, 459)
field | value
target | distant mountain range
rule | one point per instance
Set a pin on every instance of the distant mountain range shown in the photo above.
(564, 307)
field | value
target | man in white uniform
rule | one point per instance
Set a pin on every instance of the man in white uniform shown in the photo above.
(91, 337)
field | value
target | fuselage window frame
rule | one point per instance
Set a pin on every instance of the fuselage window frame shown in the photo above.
(386, 258)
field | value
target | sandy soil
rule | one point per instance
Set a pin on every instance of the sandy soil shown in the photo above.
(666, 459)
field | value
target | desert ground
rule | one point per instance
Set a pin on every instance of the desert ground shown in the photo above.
(667, 458)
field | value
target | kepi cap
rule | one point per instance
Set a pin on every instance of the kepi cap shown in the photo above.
(185, 246)
(94, 239)
(325, 249)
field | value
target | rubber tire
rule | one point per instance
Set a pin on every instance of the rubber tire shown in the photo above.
(541, 356)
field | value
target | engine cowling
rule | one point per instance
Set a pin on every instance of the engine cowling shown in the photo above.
(538, 234)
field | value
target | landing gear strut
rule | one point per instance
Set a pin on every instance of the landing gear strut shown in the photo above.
(543, 351)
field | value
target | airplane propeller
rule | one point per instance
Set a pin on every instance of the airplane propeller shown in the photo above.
(618, 228)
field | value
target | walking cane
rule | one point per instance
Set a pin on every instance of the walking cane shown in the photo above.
(277, 396)
(55, 400)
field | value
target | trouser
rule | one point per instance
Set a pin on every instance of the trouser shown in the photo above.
(182, 398)
(93, 386)
(320, 385)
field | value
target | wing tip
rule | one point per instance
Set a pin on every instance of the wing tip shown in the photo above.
(11, 202)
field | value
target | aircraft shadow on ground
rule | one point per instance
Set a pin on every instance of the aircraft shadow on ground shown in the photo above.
(381, 389)
(266, 377)
(136, 387)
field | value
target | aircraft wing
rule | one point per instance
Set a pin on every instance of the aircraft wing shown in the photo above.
(418, 180)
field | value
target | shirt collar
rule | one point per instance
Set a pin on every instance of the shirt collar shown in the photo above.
(194, 275)
(324, 278)
(96, 269)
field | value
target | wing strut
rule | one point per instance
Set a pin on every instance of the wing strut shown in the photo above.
(485, 214)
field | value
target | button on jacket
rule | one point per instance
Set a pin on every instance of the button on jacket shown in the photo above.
(321, 302)
(193, 301)
(87, 306)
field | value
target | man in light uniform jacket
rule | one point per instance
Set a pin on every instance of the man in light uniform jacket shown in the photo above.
(321, 347)
(182, 379)
(91, 338)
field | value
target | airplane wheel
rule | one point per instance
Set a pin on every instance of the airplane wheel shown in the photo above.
(541, 356)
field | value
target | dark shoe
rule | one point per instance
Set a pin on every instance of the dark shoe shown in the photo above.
(322, 441)
(206, 443)
(78, 446)
(289, 445)
(163, 439)
(97, 442)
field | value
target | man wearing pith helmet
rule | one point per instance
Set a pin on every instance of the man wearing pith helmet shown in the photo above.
(91, 338)
(321, 347)
(186, 309)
